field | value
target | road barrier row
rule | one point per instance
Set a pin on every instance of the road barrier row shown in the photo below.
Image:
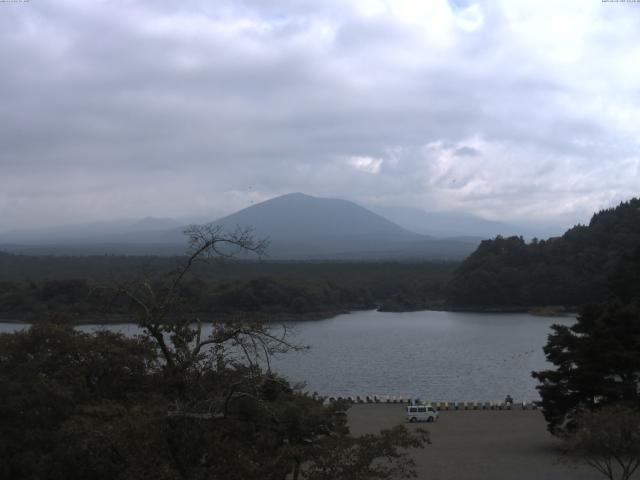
(490, 405)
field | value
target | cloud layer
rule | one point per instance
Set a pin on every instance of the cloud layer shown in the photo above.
(518, 110)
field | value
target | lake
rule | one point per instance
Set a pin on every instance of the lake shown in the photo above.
(438, 356)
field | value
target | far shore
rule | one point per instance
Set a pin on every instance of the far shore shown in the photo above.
(266, 318)
(280, 317)
(537, 310)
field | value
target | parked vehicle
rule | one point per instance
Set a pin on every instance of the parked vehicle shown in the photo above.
(421, 413)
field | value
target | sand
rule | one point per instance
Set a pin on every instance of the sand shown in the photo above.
(478, 444)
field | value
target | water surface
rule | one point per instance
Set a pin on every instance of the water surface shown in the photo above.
(430, 355)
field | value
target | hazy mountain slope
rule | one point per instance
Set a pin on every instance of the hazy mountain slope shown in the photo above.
(299, 216)
(91, 232)
(149, 224)
(301, 226)
(450, 224)
(298, 226)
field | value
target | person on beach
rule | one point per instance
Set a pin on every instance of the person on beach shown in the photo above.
(508, 400)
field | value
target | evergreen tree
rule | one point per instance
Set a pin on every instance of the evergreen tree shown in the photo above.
(597, 360)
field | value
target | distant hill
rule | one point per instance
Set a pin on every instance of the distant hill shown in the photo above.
(569, 270)
(301, 216)
(299, 227)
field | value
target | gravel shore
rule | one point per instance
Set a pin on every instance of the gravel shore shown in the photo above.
(478, 444)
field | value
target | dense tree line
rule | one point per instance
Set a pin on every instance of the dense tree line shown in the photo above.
(264, 295)
(233, 286)
(571, 270)
(103, 406)
(377, 275)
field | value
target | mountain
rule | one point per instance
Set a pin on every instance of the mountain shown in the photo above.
(298, 226)
(297, 215)
(570, 270)
(302, 226)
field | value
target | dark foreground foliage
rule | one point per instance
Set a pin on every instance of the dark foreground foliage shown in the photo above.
(608, 440)
(102, 406)
(596, 360)
(175, 403)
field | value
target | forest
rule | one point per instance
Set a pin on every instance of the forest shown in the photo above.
(569, 271)
(32, 287)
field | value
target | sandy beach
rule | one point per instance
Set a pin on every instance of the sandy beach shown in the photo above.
(478, 444)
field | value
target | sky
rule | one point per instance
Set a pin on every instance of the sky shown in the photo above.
(526, 111)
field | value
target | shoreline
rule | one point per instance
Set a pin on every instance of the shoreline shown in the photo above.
(282, 317)
(536, 310)
(122, 319)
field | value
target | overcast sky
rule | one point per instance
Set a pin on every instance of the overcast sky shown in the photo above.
(527, 111)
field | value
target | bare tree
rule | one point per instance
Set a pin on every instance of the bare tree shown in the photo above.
(608, 440)
(177, 332)
(234, 341)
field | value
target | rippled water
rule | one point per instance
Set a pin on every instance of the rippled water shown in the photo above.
(430, 355)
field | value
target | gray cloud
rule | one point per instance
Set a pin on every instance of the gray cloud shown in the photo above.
(520, 112)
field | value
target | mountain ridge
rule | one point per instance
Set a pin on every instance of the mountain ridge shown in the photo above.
(299, 227)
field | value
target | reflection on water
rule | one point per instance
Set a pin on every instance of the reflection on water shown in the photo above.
(430, 355)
